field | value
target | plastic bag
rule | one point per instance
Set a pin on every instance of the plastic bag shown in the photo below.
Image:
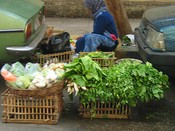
(22, 82)
(6, 74)
(17, 69)
(32, 70)
(57, 43)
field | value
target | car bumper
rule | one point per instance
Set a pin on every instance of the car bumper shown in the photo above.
(29, 49)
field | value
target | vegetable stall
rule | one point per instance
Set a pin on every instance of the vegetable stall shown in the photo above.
(124, 84)
(104, 91)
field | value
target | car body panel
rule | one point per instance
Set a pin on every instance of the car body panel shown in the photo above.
(27, 8)
(27, 50)
(12, 21)
(158, 58)
(15, 14)
(158, 15)
(162, 19)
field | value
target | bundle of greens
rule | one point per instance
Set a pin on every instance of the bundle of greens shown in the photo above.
(127, 82)
(84, 71)
(134, 82)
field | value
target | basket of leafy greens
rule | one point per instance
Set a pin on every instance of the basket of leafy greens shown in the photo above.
(124, 84)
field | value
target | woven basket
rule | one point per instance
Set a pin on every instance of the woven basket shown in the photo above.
(104, 110)
(39, 92)
(31, 110)
(65, 57)
(128, 59)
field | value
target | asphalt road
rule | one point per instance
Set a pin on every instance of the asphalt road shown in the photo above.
(155, 116)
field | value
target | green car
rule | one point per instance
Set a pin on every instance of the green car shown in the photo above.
(21, 28)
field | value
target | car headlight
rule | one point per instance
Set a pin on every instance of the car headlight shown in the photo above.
(155, 39)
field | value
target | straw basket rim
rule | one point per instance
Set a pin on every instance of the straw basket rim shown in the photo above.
(56, 88)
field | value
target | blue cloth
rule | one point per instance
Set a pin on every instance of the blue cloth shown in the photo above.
(104, 25)
(93, 41)
(80, 45)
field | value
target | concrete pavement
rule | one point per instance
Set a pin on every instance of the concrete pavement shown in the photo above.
(79, 26)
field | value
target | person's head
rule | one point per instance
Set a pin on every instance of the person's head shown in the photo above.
(94, 5)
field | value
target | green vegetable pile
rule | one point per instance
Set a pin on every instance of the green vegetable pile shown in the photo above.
(133, 82)
(32, 75)
(127, 82)
(84, 71)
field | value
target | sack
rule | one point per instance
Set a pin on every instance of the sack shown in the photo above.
(57, 43)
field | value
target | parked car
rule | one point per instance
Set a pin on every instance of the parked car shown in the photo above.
(155, 38)
(21, 28)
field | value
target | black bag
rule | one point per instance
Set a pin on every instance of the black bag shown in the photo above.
(57, 43)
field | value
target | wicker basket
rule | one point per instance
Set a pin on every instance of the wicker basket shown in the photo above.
(128, 59)
(103, 62)
(104, 110)
(55, 58)
(17, 109)
(39, 92)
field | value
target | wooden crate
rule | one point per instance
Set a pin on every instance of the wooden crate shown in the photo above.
(104, 110)
(55, 58)
(103, 62)
(17, 109)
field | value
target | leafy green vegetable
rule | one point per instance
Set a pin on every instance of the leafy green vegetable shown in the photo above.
(127, 82)
(83, 71)
(136, 82)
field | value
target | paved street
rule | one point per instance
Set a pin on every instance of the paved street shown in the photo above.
(158, 116)
(78, 26)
